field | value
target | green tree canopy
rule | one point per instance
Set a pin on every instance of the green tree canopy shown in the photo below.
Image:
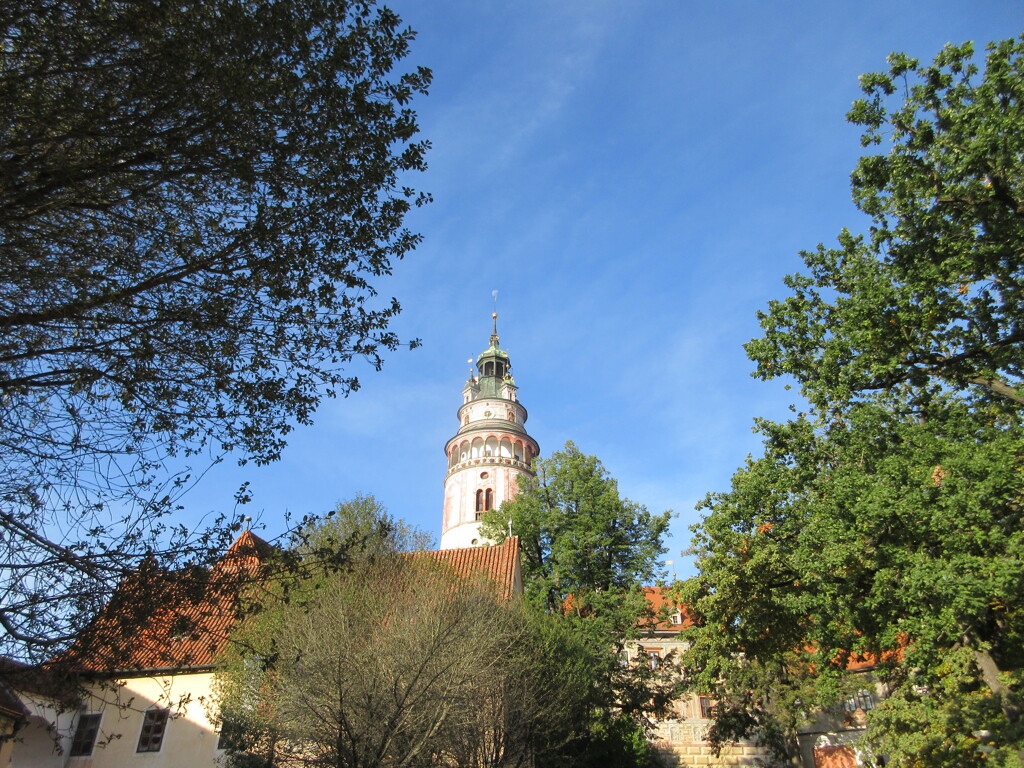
(884, 526)
(359, 528)
(584, 547)
(195, 199)
(587, 552)
(931, 296)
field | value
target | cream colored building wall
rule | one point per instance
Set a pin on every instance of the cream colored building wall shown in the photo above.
(8, 726)
(190, 739)
(41, 741)
(681, 737)
(7, 745)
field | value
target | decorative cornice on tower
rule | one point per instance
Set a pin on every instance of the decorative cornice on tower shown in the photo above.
(491, 449)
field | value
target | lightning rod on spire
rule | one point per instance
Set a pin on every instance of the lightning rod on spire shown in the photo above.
(494, 316)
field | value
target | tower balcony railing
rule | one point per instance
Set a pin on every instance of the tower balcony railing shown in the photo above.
(501, 461)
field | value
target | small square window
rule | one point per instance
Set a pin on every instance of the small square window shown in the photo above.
(654, 658)
(154, 724)
(86, 732)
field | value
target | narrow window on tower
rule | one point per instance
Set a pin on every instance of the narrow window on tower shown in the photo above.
(489, 499)
(479, 500)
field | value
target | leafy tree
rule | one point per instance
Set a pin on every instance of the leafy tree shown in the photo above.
(883, 528)
(584, 547)
(357, 529)
(195, 198)
(931, 296)
(394, 660)
(586, 554)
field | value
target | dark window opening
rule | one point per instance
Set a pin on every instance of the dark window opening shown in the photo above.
(479, 500)
(85, 735)
(231, 736)
(154, 724)
(489, 499)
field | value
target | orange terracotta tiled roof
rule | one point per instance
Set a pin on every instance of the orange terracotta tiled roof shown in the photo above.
(499, 564)
(181, 620)
(659, 600)
(173, 620)
(856, 662)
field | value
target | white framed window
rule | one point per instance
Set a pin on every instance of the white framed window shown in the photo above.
(862, 700)
(707, 707)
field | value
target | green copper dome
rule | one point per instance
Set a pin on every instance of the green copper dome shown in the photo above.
(492, 351)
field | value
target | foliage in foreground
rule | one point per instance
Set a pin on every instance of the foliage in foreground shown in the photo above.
(195, 198)
(383, 659)
(885, 526)
(587, 552)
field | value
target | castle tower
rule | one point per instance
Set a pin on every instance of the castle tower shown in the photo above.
(490, 450)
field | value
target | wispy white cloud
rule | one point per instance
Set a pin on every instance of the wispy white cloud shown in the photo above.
(635, 178)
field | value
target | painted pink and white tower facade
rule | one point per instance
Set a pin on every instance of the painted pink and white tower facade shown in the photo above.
(490, 451)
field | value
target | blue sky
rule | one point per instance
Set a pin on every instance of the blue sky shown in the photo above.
(635, 178)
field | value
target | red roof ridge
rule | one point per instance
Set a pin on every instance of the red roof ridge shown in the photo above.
(247, 551)
(248, 543)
